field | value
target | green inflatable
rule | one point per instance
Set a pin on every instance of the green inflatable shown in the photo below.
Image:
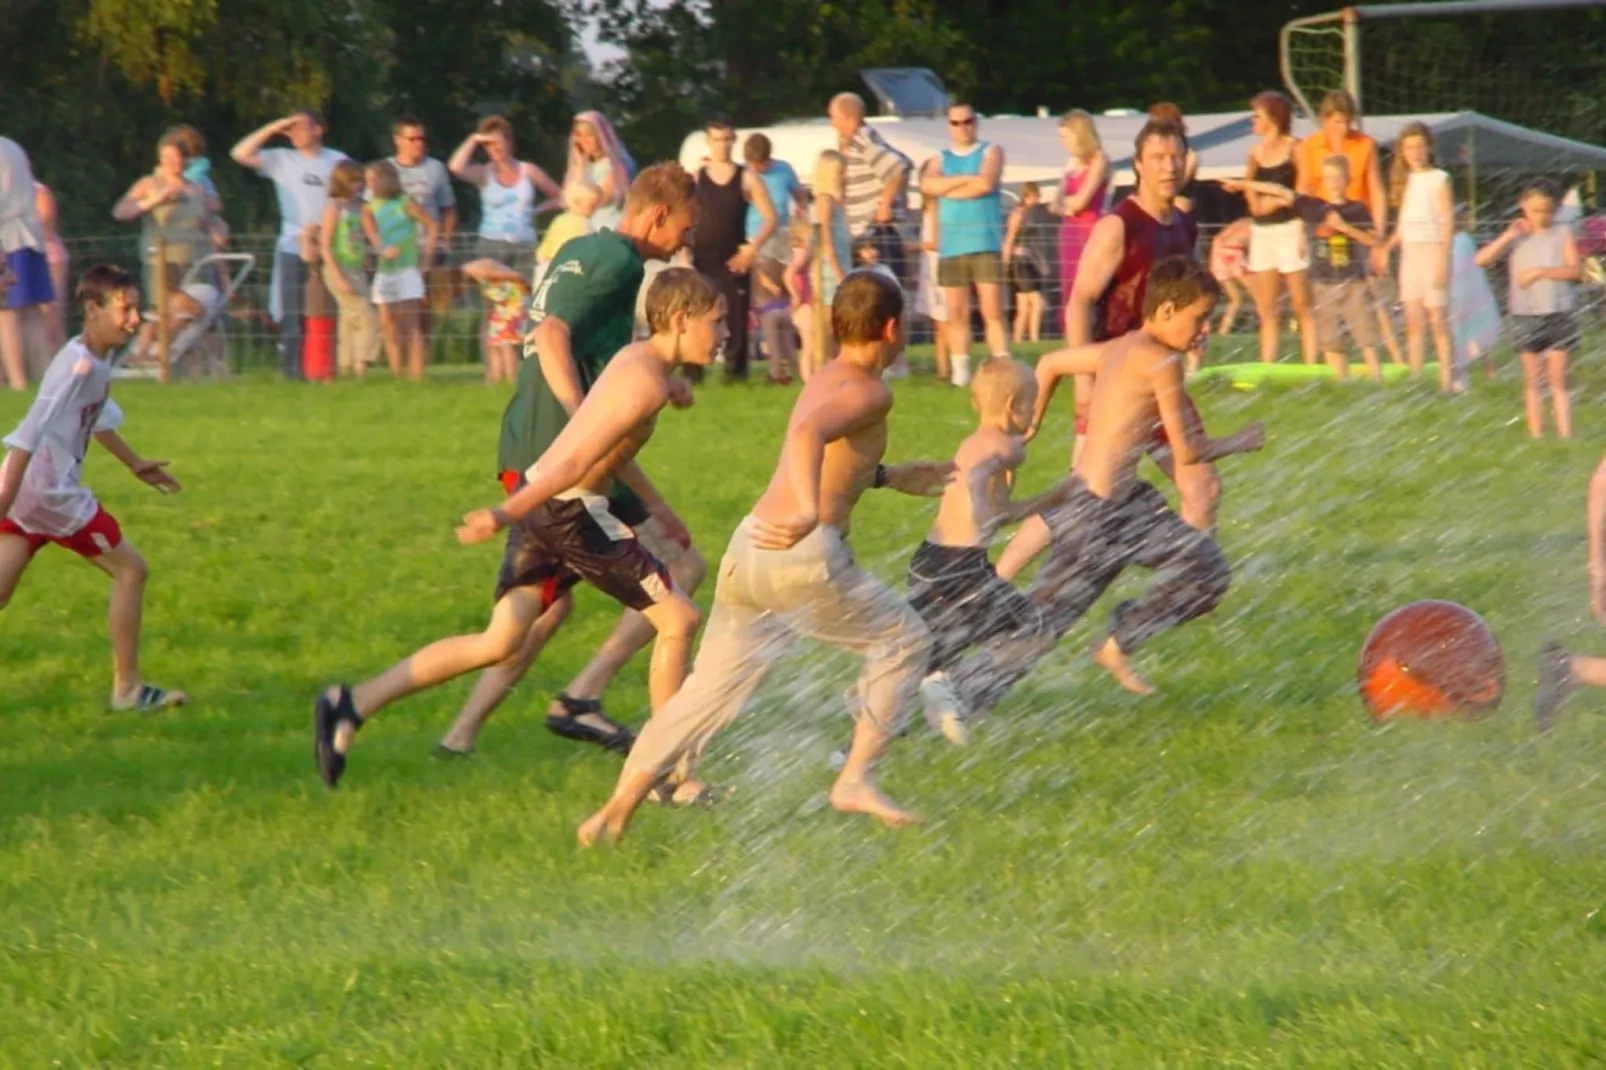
(1253, 375)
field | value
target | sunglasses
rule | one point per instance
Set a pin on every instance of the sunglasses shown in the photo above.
(416, 138)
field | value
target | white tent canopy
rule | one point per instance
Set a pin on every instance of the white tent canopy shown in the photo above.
(1464, 136)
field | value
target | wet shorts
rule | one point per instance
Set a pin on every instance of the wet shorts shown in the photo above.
(100, 536)
(568, 540)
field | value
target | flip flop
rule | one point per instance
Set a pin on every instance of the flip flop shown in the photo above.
(326, 719)
(664, 794)
(584, 722)
(149, 699)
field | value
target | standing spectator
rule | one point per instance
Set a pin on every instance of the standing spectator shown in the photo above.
(1083, 194)
(175, 231)
(771, 253)
(970, 236)
(24, 335)
(1024, 257)
(424, 180)
(300, 175)
(1338, 137)
(1424, 231)
(1229, 251)
(508, 205)
(1339, 229)
(836, 241)
(874, 186)
(1167, 112)
(580, 201)
(597, 155)
(1543, 271)
(1278, 250)
(345, 250)
(392, 223)
(56, 257)
(928, 292)
(720, 250)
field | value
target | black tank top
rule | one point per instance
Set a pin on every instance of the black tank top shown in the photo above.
(722, 226)
(1282, 174)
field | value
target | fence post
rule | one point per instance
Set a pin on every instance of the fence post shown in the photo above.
(163, 353)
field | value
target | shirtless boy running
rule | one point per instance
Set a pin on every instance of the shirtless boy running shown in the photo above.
(952, 584)
(564, 527)
(788, 572)
(1114, 520)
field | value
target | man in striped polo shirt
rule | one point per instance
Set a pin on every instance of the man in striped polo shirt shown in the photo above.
(874, 183)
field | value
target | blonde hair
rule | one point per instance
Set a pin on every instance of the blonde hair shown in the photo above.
(386, 183)
(579, 193)
(829, 170)
(678, 290)
(997, 382)
(344, 180)
(1079, 124)
(664, 185)
(799, 233)
(1398, 171)
(1339, 163)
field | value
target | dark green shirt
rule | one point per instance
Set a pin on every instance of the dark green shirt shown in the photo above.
(591, 285)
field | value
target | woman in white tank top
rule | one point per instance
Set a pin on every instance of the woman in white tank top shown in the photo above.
(507, 188)
(1423, 232)
(1543, 270)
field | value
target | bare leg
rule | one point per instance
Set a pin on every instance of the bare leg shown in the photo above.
(14, 558)
(990, 295)
(1532, 402)
(1235, 304)
(958, 300)
(1299, 296)
(939, 350)
(388, 334)
(1416, 323)
(1385, 322)
(1591, 671)
(1338, 362)
(1035, 323)
(1373, 368)
(1110, 658)
(1440, 324)
(11, 353)
(1263, 287)
(1560, 400)
(412, 320)
(123, 619)
(1018, 334)
(497, 682)
(856, 791)
(631, 635)
(1030, 540)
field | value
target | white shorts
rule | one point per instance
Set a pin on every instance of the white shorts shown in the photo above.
(1279, 247)
(392, 287)
(1419, 267)
(929, 298)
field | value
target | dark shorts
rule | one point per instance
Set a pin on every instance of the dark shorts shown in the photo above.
(31, 284)
(1027, 274)
(1541, 334)
(965, 602)
(980, 268)
(574, 539)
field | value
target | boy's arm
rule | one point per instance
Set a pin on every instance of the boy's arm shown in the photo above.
(1189, 443)
(852, 407)
(598, 426)
(152, 472)
(1051, 368)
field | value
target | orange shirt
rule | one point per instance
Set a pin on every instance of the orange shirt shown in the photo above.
(1359, 149)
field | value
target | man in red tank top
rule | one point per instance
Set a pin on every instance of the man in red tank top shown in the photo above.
(1106, 301)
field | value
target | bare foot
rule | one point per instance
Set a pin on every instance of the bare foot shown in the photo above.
(1109, 658)
(599, 829)
(863, 797)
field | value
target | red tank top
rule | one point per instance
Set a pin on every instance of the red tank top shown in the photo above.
(1148, 241)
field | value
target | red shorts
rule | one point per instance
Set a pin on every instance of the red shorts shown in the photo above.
(100, 536)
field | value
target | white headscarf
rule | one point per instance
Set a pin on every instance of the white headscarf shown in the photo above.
(19, 215)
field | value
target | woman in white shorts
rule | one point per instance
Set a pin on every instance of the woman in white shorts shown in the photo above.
(929, 301)
(391, 221)
(1278, 251)
(1424, 233)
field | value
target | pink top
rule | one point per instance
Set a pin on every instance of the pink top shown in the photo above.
(1095, 207)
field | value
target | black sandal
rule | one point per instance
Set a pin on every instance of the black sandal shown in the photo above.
(326, 720)
(583, 721)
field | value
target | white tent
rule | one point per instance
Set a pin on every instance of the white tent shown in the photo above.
(1032, 149)
(1459, 136)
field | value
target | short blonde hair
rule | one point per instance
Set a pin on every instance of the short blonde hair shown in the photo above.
(997, 381)
(678, 290)
(665, 185)
(581, 192)
(1079, 124)
(829, 170)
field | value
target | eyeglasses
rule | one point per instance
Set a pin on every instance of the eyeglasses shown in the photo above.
(963, 122)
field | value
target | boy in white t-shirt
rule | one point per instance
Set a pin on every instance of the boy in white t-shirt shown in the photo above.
(42, 498)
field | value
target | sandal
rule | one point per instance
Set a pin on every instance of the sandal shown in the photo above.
(327, 718)
(149, 699)
(583, 721)
(666, 793)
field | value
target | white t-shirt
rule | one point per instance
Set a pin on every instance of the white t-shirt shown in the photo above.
(1420, 221)
(428, 184)
(302, 183)
(74, 402)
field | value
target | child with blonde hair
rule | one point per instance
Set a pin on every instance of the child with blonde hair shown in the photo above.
(392, 221)
(580, 202)
(1423, 232)
(800, 287)
(345, 253)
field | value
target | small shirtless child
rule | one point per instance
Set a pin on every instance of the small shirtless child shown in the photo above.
(1113, 520)
(952, 584)
(564, 529)
(788, 572)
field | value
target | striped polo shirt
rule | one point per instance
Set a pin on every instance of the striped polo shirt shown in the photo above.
(871, 164)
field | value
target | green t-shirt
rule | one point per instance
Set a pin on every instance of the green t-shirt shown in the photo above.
(592, 287)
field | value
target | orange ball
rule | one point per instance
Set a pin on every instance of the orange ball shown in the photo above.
(1432, 659)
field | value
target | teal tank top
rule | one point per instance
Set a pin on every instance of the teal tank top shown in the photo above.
(970, 226)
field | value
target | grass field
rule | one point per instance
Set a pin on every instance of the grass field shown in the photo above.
(1241, 872)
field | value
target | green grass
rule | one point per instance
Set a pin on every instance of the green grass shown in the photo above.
(1242, 872)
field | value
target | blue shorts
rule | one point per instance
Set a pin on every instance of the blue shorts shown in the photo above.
(32, 285)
